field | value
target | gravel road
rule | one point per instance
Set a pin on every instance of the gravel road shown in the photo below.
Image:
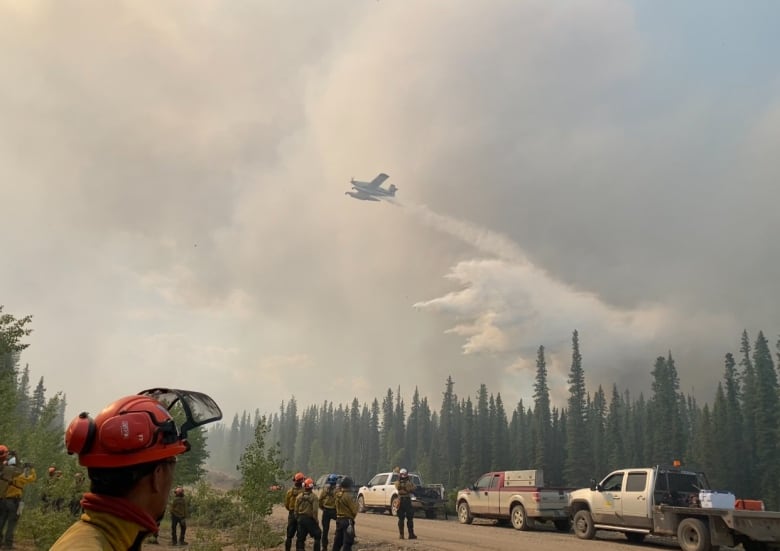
(380, 532)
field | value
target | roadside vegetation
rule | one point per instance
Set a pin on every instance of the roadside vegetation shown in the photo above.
(33, 423)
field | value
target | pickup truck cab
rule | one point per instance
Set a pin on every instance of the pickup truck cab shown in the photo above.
(515, 496)
(669, 501)
(380, 493)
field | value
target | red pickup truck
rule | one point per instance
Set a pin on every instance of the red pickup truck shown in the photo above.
(516, 496)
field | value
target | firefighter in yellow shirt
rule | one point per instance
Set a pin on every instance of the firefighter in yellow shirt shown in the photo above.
(328, 506)
(307, 511)
(12, 504)
(346, 511)
(289, 504)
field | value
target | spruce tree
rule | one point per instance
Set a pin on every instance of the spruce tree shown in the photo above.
(542, 415)
(766, 406)
(449, 434)
(482, 430)
(614, 441)
(578, 460)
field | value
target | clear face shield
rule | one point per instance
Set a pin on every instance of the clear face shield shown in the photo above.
(198, 408)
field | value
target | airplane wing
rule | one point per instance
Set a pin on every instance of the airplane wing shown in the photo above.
(378, 181)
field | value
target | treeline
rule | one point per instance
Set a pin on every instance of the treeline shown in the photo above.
(734, 440)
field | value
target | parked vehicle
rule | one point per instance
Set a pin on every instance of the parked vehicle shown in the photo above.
(380, 493)
(515, 496)
(670, 501)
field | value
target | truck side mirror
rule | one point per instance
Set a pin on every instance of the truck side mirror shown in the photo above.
(474, 487)
(593, 486)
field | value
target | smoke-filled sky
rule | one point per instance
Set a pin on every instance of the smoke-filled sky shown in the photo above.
(172, 179)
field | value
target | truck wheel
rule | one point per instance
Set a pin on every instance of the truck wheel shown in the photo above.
(520, 519)
(361, 504)
(693, 535)
(563, 525)
(394, 503)
(464, 513)
(583, 525)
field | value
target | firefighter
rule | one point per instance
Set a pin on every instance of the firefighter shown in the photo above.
(12, 503)
(179, 514)
(130, 451)
(289, 504)
(328, 506)
(405, 489)
(346, 511)
(307, 509)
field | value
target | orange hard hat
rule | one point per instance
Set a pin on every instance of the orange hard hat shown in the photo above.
(52, 470)
(3, 451)
(132, 430)
(298, 477)
(308, 484)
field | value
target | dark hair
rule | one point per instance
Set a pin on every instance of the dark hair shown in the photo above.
(346, 482)
(118, 481)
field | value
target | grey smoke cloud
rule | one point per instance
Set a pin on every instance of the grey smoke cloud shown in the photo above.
(173, 179)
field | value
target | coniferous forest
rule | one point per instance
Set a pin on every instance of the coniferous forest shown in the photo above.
(454, 439)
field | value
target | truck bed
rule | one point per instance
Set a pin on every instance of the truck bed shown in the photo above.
(763, 526)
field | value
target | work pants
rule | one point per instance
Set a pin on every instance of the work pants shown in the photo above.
(405, 510)
(307, 526)
(327, 516)
(9, 508)
(292, 529)
(345, 534)
(180, 522)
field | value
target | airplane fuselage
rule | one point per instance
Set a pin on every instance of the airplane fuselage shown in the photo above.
(379, 191)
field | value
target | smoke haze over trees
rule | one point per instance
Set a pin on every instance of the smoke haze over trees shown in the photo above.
(454, 439)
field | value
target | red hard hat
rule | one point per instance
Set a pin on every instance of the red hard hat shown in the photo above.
(134, 429)
(308, 483)
(3, 451)
(298, 477)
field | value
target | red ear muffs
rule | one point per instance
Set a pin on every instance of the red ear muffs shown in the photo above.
(80, 434)
(127, 432)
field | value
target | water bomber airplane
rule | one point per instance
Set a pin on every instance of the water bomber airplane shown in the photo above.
(371, 191)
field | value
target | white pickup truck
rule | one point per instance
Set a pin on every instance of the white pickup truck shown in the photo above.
(519, 497)
(669, 501)
(380, 493)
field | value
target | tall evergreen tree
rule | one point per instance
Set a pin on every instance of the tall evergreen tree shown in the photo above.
(482, 430)
(614, 442)
(597, 419)
(500, 438)
(469, 467)
(578, 461)
(667, 438)
(767, 409)
(450, 438)
(542, 415)
(749, 394)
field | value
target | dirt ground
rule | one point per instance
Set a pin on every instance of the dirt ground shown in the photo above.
(379, 531)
